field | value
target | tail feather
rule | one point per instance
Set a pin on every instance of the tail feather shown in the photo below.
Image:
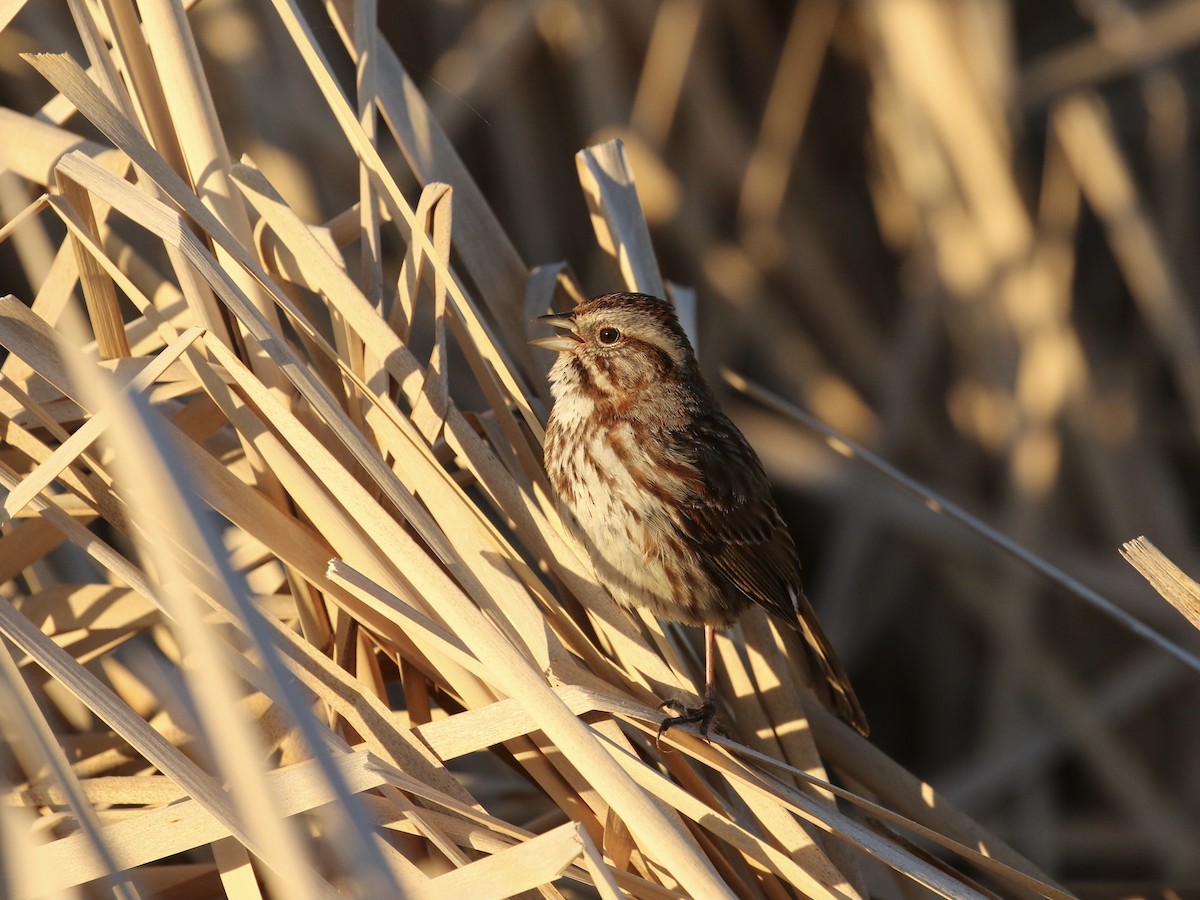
(830, 681)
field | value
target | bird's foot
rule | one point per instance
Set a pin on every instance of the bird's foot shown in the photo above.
(701, 716)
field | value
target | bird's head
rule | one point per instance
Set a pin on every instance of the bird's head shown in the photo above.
(619, 343)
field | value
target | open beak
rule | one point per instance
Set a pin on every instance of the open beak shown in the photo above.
(559, 342)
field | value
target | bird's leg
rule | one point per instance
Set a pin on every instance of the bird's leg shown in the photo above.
(702, 715)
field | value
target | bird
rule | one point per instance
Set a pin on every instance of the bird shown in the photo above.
(667, 495)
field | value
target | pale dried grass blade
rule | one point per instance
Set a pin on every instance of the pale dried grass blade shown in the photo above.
(602, 878)
(408, 285)
(159, 833)
(517, 679)
(763, 852)
(390, 543)
(986, 853)
(112, 710)
(520, 868)
(32, 148)
(366, 43)
(432, 406)
(611, 192)
(68, 450)
(1176, 587)
(836, 824)
(360, 586)
(19, 219)
(162, 326)
(237, 875)
(230, 732)
(169, 226)
(687, 307)
(487, 251)
(305, 42)
(20, 836)
(206, 155)
(38, 739)
(101, 65)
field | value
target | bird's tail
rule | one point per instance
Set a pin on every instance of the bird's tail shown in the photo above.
(830, 681)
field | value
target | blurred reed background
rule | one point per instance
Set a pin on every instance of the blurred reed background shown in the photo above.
(963, 234)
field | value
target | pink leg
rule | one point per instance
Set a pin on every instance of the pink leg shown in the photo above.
(710, 665)
(702, 715)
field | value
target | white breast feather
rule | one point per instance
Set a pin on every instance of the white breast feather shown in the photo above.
(616, 540)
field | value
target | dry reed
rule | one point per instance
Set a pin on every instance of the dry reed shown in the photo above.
(289, 609)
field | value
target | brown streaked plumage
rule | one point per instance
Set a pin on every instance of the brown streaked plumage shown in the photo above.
(670, 499)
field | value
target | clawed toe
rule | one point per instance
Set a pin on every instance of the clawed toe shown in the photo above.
(673, 706)
(700, 716)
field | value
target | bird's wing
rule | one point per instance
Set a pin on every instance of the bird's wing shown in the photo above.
(735, 525)
(732, 519)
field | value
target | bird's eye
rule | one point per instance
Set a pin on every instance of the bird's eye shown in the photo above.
(609, 335)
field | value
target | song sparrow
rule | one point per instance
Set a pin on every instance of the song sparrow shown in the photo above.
(671, 501)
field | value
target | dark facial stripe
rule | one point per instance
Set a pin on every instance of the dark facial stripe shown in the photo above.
(587, 382)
